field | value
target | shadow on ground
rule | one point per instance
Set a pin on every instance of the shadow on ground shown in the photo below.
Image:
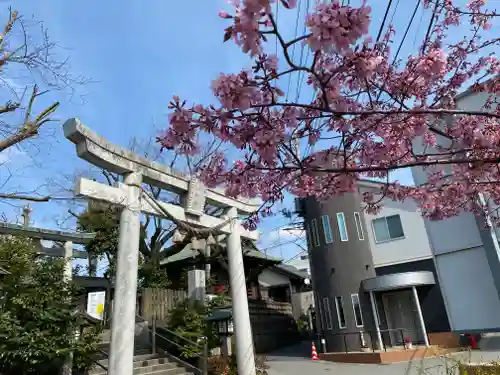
(300, 351)
(296, 360)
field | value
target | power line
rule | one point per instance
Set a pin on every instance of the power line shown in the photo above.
(295, 256)
(429, 28)
(383, 21)
(394, 61)
(301, 73)
(406, 31)
(293, 50)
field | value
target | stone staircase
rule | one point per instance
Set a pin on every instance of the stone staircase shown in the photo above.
(145, 363)
(149, 364)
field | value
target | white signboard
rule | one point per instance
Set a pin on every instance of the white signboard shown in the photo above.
(95, 304)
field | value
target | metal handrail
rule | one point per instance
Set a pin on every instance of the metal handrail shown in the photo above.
(100, 364)
(203, 355)
(175, 334)
(371, 333)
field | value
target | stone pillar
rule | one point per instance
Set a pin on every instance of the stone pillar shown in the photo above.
(121, 351)
(196, 286)
(68, 276)
(245, 358)
(420, 316)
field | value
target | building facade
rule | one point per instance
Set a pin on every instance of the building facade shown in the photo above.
(373, 275)
(467, 254)
(302, 263)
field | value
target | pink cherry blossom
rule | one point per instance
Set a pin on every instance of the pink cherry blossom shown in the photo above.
(335, 27)
(369, 114)
(235, 92)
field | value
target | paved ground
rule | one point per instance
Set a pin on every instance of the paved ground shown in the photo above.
(296, 361)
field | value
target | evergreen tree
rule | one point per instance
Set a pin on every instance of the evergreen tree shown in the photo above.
(38, 313)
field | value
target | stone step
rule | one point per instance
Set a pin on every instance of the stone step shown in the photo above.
(139, 359)
(166, 368)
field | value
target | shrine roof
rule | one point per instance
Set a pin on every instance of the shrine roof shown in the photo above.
(249, 250)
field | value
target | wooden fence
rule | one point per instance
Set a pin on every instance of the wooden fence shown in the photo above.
(273, 324)
(163, 299)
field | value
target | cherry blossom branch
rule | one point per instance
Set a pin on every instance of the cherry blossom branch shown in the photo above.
(367, 114)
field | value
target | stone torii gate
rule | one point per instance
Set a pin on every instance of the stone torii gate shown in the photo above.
(66, 251)
(128, 194)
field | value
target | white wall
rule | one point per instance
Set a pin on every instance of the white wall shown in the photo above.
(453, 234)
(473, 102)
(301, 264)
(464, 274)
(414, 246)
(468, 289)
(270, 278)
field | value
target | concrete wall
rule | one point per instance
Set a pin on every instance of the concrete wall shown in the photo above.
(301, 302)
(412, 247)
(470, 294)
(466, 256)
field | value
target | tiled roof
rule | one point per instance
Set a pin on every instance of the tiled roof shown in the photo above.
(249, 250)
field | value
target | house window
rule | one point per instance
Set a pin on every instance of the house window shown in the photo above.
(356, 305)
(315, 233)
(339, 304)
(321, 317)
(388, 228)
(328, 313)
(342, 227)
(327, 229)
(359, 227)
(308, 236)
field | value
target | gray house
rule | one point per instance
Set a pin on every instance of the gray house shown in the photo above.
(371, 274)
(398, 270)
(467, 254)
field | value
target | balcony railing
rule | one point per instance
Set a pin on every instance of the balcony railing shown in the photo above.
(396, 338)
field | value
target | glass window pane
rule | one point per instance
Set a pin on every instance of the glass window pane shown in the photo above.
(395, 226)
(308, 236)
(356, 305)
(380, 230)
(315, 233)
(359, 227)
(342, 226)
(339, 304)
(327, 229)
(322, 317)
(328, 313)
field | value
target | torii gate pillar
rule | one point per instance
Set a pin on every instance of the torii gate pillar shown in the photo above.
(243, 331)
(123, 318)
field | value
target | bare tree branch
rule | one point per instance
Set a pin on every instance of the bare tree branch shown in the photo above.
(25, 197)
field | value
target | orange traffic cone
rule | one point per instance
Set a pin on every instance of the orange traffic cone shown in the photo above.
(314, 352)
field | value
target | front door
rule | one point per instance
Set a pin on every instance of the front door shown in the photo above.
(401, 314)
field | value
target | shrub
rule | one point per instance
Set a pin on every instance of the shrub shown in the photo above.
(38, 316)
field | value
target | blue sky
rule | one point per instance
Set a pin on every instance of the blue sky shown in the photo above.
(138, 56)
